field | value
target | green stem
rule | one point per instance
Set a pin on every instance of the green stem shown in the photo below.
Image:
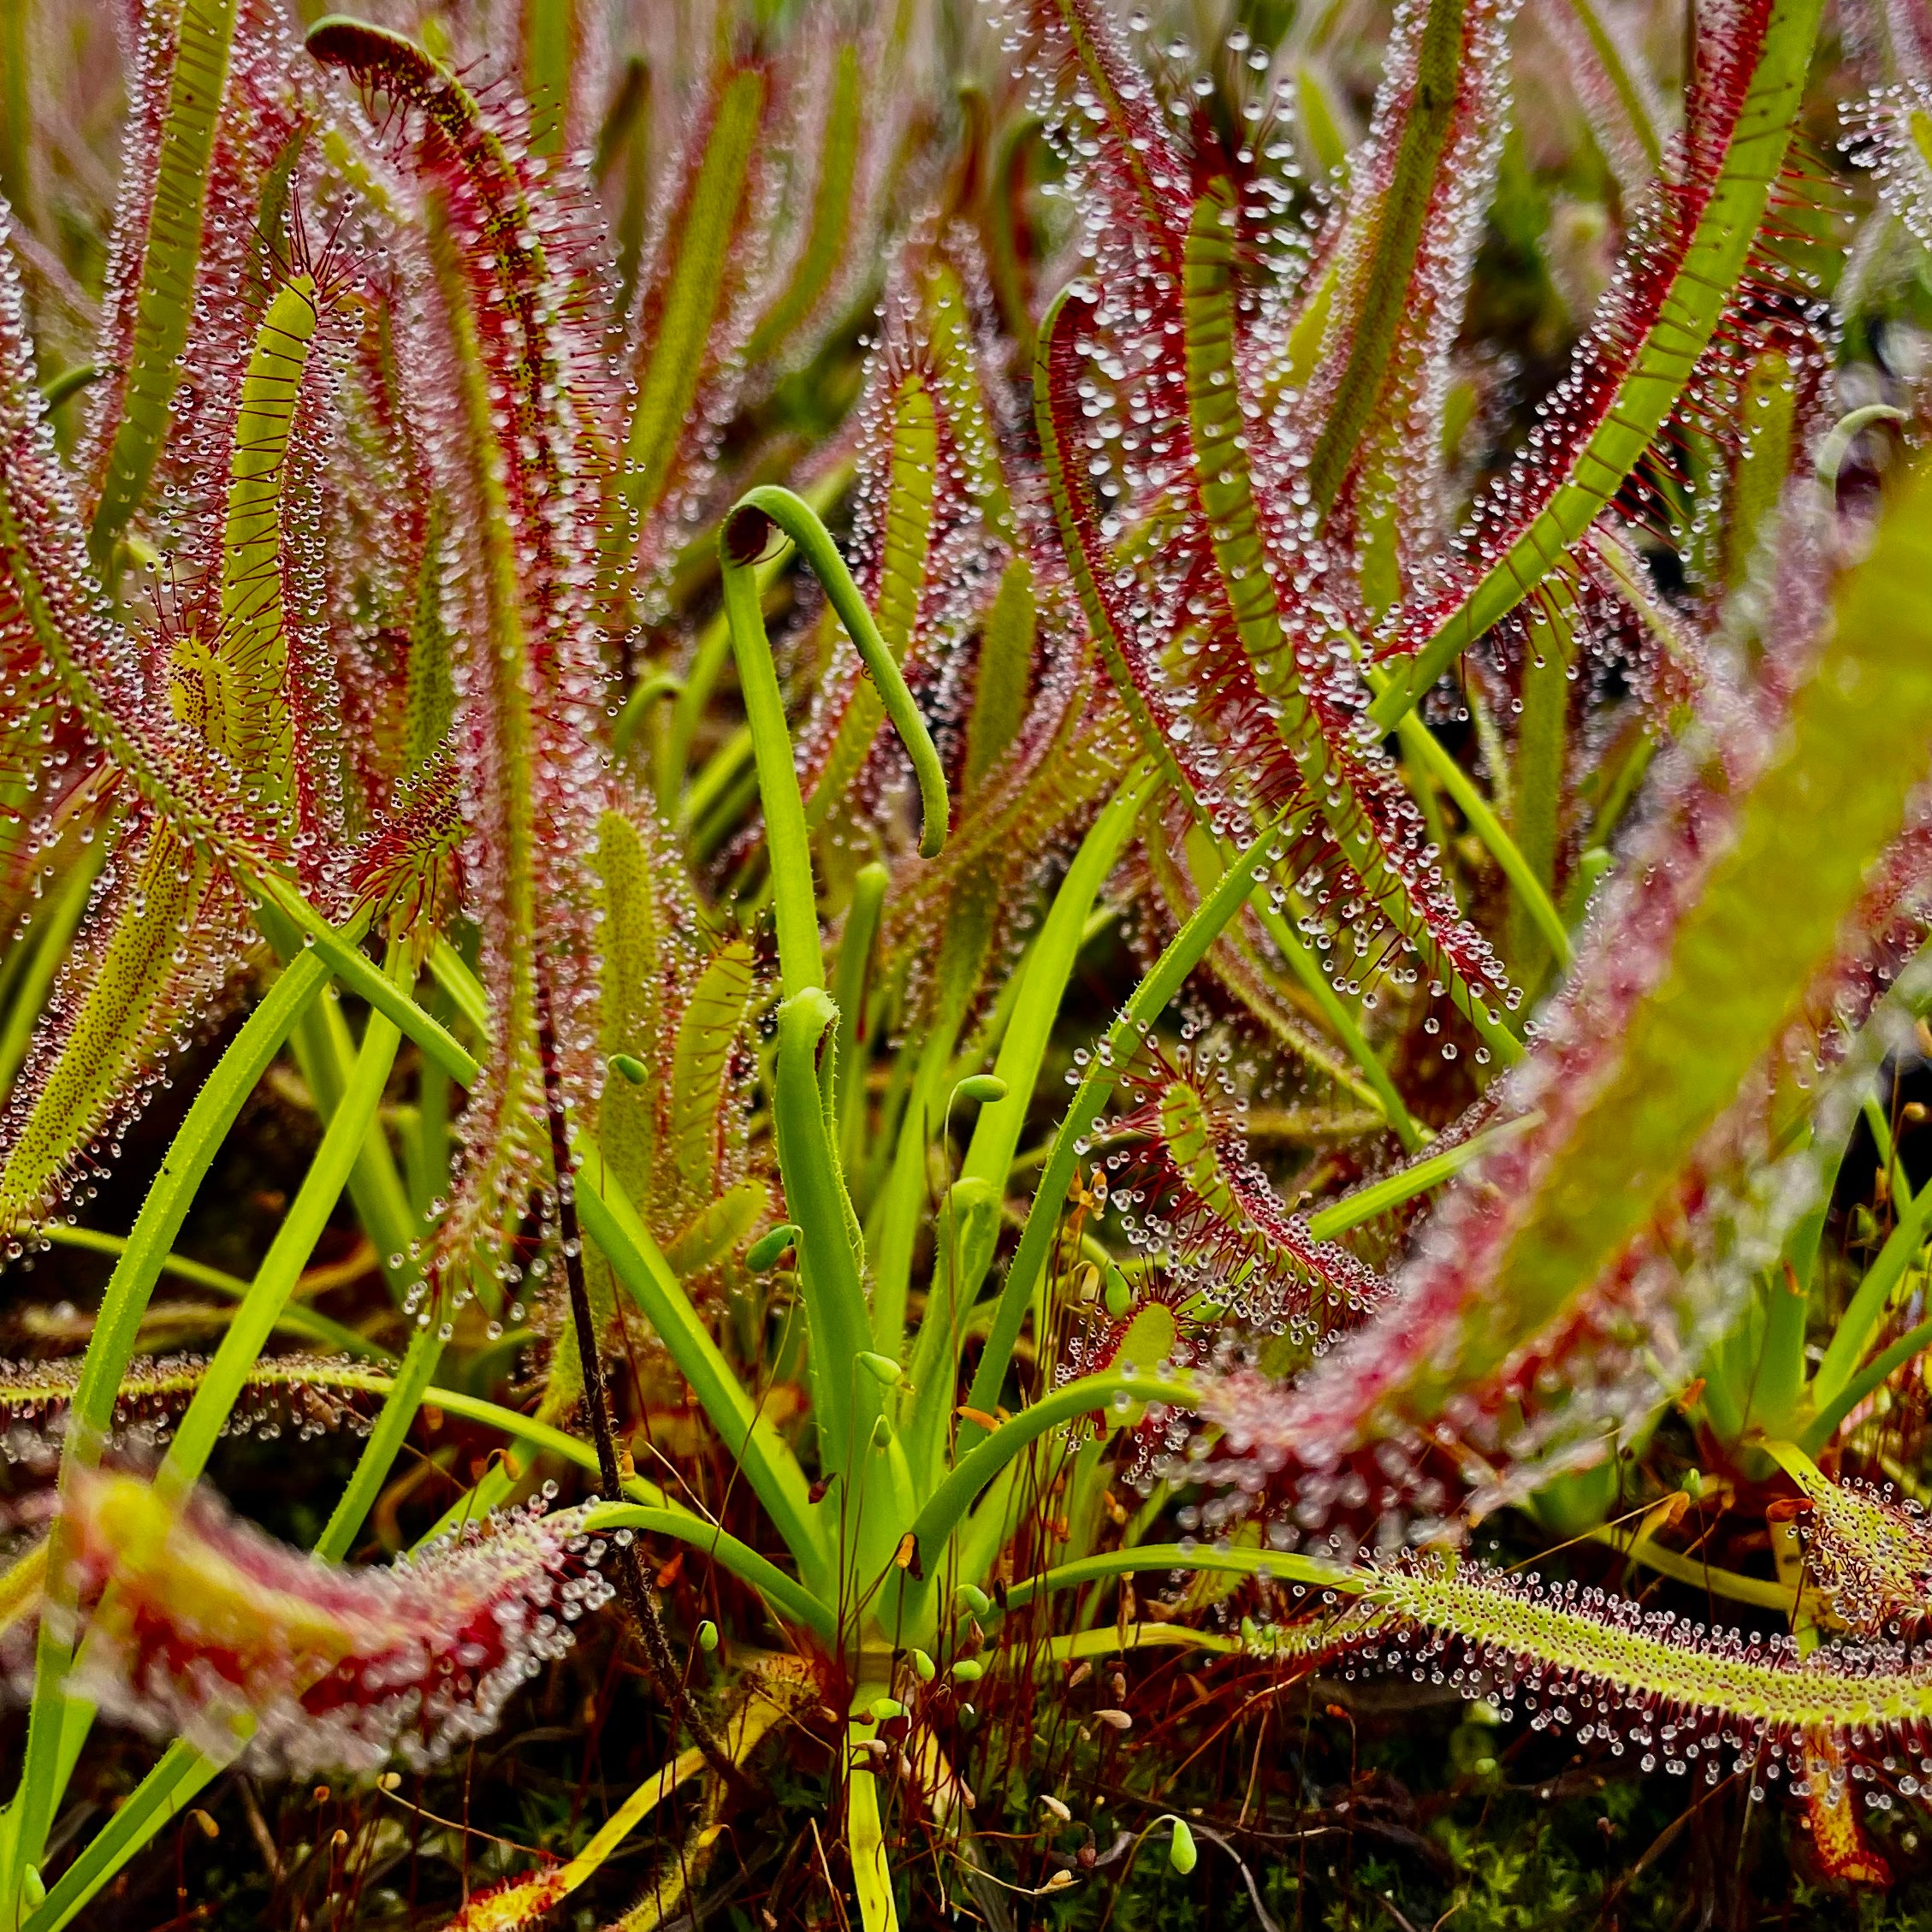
(1144, 1006)
(844, 1399)
(1872, 1299)
(798, 1604)
(857, 948)
(1740, 1589)
(63, 915)
(748, 1437)
(982, 1461)
(1419, 742)
(1042, 985)
(1913, 1342)
(801, 961)
(1277, 1564)
(1417, 1178)
(708, 661)
(298, 1319)
(247, 1335)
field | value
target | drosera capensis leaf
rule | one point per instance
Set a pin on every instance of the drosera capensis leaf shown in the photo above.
(1521, 1640)
(1041, 988)
(213, 1113)
(1531, 1228)
(906, 522)
(1000, 686)
(251, 723)
(166, 937)
(707, 1031)
(828, 231)
(1352, 796)
(170, 252)
(1871, 1552)
(511, 333)
(1401, 210)
(1532, 527)
(682, 314)
(54, 606)
(1118, 642)
(82, 1081)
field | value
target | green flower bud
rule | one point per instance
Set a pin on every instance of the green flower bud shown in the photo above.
(766, 1250)
(1180, 1853)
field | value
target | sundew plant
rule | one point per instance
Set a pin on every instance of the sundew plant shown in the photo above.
(965, 962)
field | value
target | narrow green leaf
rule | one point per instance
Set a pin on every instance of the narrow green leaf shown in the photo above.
(906, 529)
(851, 987)
(1049, 967)
(550, 34)
(1320, 123)
(829, 1264)
(1144, 1006)
(964, 948)
(611, 1221)
(164, 308)
(829, 233)
(1003, 680)
(1684, 323)
(1397, 227)
(686, 307)
(1417, 1178)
